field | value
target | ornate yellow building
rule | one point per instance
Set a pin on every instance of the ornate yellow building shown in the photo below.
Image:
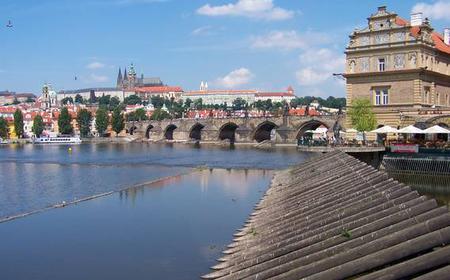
(402, 67)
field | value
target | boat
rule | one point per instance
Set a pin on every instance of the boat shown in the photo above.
(57, 140)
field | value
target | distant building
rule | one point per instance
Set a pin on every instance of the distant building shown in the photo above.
(88, 93)
(8, 97)
(167, 92)
(129, 80)
(399, 66)
(218, 97)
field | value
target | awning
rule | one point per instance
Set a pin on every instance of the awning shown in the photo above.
(411, 129)
(385, 129)
(436, 129)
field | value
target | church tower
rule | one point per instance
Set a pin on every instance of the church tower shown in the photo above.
(119, 79)
(132, 76)
(45, 97)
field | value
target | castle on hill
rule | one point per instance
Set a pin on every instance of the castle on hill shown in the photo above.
(130, 80)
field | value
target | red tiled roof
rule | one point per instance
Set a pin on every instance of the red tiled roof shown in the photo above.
(277, 94)
(159, 89)
(435, 36)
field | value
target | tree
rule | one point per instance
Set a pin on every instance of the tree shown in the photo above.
(104, 100)
(79, 99)
(159, 115)
(113, 103)
(239, 104)
(3, 128)
(187, 103)
(38, 125)
(84, 118)
(117, 121)
(101, 121)
(18, 123)
(141, 114)
(138, 115)
(198, 104)
(132, 100)
(157, 101)
(362, 116)
(67, 100)
(64, 122)
(15, 102)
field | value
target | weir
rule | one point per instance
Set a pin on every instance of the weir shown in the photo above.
(334, 217)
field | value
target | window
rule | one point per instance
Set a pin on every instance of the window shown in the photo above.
(437, 101)
(381, 64)
(426, 95)
(377, 97)
(381, 96)
(385, 97)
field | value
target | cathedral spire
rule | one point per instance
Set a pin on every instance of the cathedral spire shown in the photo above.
(119, 78)
(125, 75)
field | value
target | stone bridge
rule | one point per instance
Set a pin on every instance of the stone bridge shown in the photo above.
(278, 129)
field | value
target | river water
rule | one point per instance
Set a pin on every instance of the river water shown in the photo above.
(172, 226)
(172, 209)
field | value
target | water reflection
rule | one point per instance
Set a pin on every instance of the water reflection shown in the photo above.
(173, 229)
(36, 176)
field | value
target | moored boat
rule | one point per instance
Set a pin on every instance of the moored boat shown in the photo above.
(57, 140)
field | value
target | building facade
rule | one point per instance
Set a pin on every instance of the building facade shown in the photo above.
(219, 97)
(402, 67)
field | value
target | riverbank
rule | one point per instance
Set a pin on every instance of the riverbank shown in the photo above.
(334, 217)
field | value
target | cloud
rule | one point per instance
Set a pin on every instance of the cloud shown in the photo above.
(95, 65)
(204, 30)
(437, 10)
(98, 78)
(257, 9)
(235, 78)
(288, 40)
(318, 66)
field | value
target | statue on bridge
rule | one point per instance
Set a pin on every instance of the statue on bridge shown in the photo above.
(336, 130)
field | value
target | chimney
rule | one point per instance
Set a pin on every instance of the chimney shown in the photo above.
(447, 36)
(416, 19)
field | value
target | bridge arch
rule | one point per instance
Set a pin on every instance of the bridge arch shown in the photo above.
(168, 132)
(228, 131)
(263, 131)
(132, 129)
(148, 131)
(195, 133)
(309, 125)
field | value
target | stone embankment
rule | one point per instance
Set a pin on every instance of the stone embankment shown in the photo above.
(335, 217)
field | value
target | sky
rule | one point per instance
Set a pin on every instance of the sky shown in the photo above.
(231, 44)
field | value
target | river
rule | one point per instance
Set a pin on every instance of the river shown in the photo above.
(163, 212)
(184, 207)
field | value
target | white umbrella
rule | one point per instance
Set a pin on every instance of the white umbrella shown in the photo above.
(411, 129)
(352, 130)
(385, 129)
(436, 129)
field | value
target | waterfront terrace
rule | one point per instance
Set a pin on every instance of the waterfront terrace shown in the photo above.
(334, 217)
